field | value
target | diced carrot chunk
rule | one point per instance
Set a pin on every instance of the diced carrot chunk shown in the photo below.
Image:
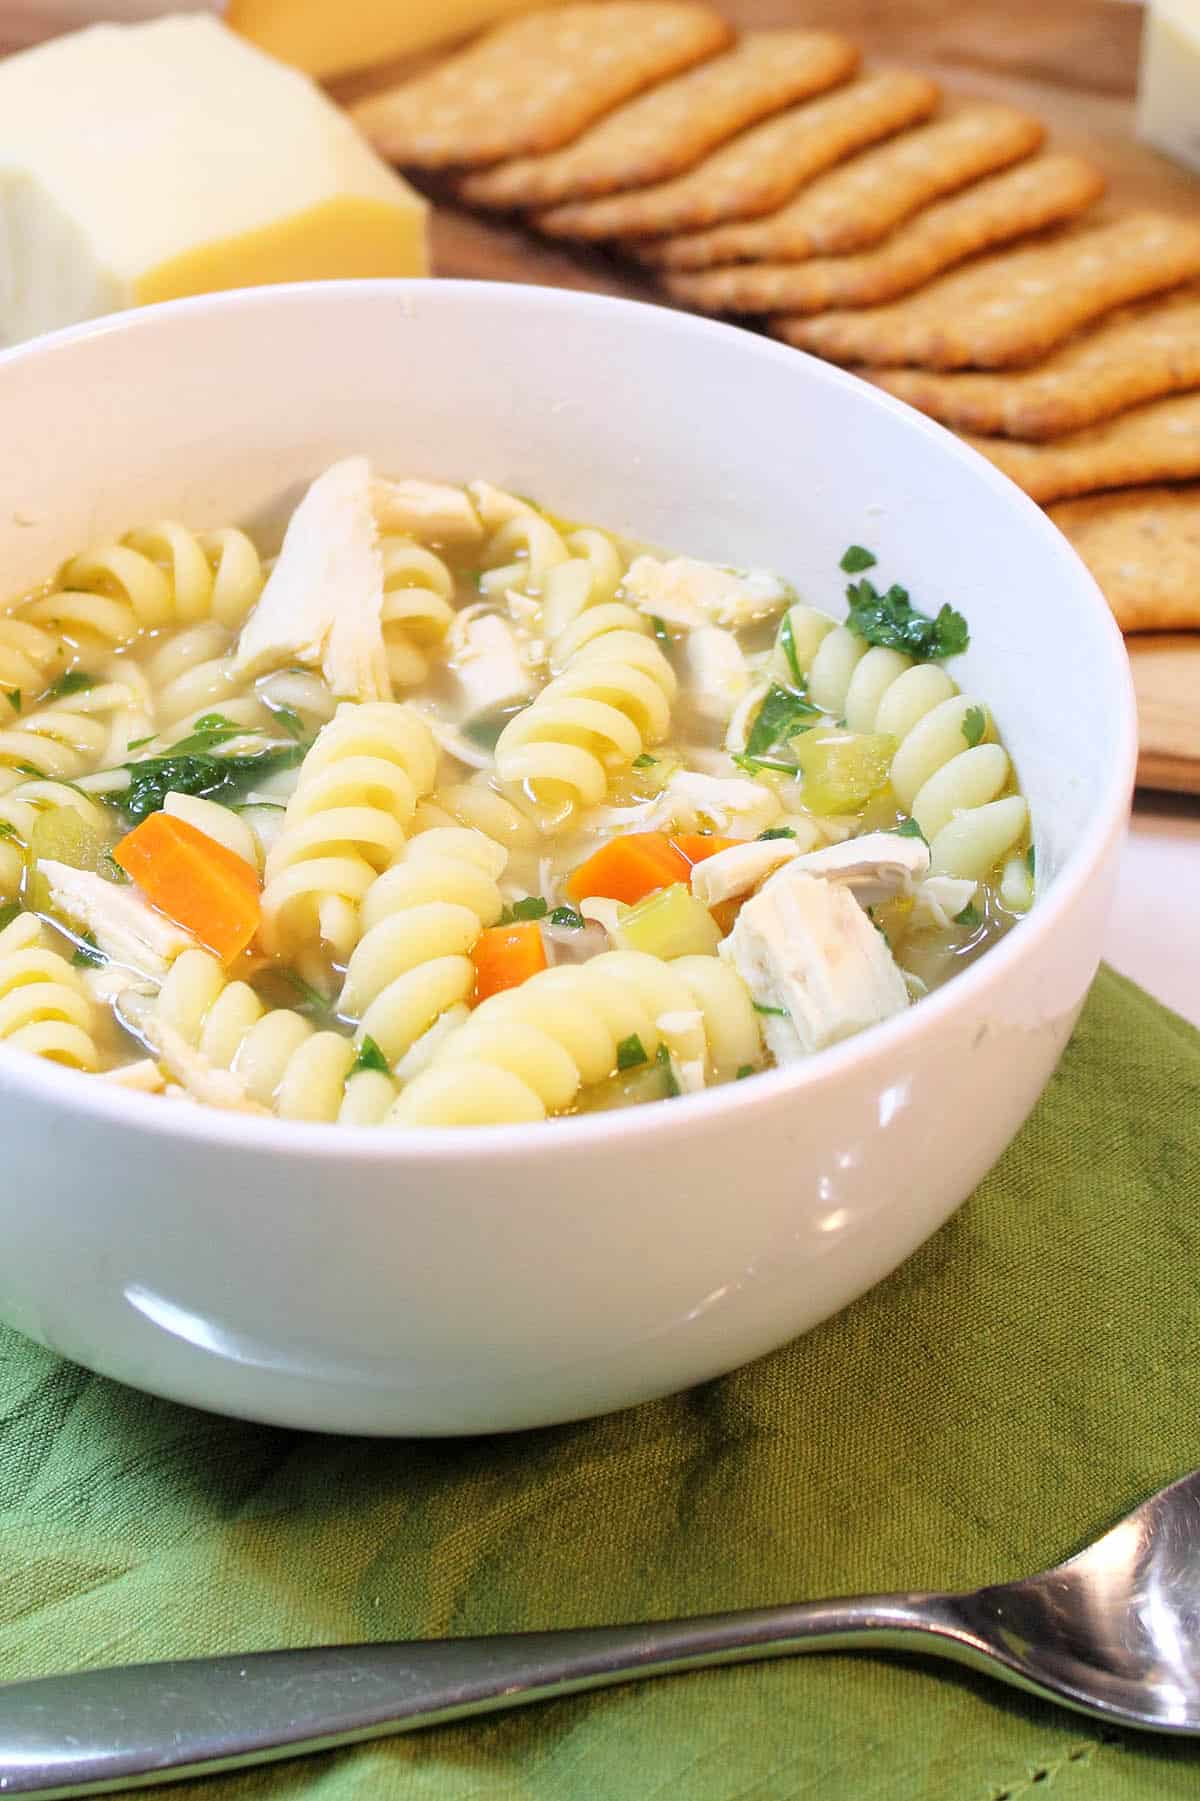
(627, 869)
(696, 846)
(506, 956)
(202, 886)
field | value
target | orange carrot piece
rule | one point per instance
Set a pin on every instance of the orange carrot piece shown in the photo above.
(629, 868)
(506, 956)
(195, 881)
(695, 846)
(725, 912)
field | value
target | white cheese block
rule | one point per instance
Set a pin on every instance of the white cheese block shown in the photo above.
(144, 162)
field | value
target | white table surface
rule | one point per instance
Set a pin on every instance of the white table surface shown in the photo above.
(1154, 933)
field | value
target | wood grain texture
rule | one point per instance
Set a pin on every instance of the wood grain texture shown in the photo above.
(1166, 679)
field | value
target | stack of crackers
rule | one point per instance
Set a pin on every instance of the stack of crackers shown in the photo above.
(936, 247)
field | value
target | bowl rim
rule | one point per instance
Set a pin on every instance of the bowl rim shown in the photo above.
(78, 1092)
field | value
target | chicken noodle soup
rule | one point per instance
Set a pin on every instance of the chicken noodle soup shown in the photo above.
(452, 812)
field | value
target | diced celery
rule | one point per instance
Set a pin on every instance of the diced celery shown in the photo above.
(62, 836)
(842, 770)
(670, 923)
(626, 1088)
(644, 781)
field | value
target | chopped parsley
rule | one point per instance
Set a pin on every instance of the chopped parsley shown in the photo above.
(532, 907)
(290, 720)
(88, 954)
(631, 1052)
(774, 1012)
(6, 830)
(776, 831)
(783, 712)
(744, 1070)
(8, 913)
(370, 1057)
(223, 779)
(753, 764)
(31, 769)
(974, 725)
(908, 828)
(137, 743)
(891, 620)
(311, 1000)
(207, 732)
(112, 869)
(1030, 860)
(663, 1060)
(660, 631)
(567, 916)
(75, 681)
(645, 761)
(13, 696)
(856, 559)
(969, 917)
(787, 643)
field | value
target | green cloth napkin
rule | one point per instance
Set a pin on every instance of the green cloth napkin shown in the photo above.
(1023, 1380)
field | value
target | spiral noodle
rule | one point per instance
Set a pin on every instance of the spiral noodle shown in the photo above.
(71, 735)
(44, 1007)
(280, 1059)
(417, 593)
(421, 919)
(30, 659)
(476, 803)
(345, 823)
(159, 576)
(19, 811)
(527, 1052)
(952, 788)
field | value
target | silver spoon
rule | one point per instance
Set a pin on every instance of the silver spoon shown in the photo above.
(1113, 1632)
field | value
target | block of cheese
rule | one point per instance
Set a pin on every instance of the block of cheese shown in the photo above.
(144, 162)
(332, 37)
(1169, 81)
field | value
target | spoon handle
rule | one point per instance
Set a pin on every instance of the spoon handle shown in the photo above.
(109, 1729)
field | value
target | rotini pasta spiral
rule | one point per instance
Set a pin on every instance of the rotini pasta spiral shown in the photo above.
(279, 1058)
(420, 921)
(30, 658)
(418, 590)
(345, 823)
(45, 1009)
(160, 576)
(526, 1053)
(954, 788)
(68, 736)
(478, 804)
(610, 702)
(19, 810)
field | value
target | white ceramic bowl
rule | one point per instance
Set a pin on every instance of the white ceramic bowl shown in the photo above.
(464, 1281)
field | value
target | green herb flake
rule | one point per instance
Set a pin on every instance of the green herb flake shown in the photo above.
(663, 1060)
(782, 714)
(744, 1070)
(970, 917)
(772, 1012)
(645, 761)
(75, 681)
(370, 1057)
(88, 954)
(290, 720)
(137, 743)
(311, 1000)
(13, 696)
(207, 732)
(892, 621)
(222, 779)
(908, 828)
(787, 643)
(660, 631)
(7, 830)
(776, 831)
(112, 869)
(8, 913)
(32, 770)
(631, 1052)
(1030, 861)
(567, 916)
(753, 764)
(856, 559)
(974, 725)
(532, 907)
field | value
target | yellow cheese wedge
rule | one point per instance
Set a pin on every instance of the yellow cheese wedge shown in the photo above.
(141, 163)
(331, 37)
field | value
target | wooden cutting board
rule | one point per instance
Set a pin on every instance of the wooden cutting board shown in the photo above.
(1071, 62)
